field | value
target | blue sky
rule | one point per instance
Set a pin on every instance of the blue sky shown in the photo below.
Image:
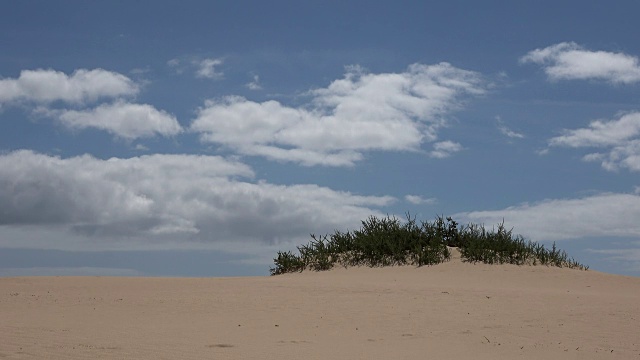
(197, 139)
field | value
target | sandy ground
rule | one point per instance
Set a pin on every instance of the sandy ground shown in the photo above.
(449, 311)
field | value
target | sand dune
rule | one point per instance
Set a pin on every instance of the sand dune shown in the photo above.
(448, 311)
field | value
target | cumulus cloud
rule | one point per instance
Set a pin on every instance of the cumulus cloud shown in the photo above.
(207, 68)
(360, 112)
(419, 200)
(620, 138)
(125, 120)
(570, 61)
(600, 215)
(45, 86)
(183, 199)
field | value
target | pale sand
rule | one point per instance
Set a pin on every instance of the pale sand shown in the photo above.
(448, 311)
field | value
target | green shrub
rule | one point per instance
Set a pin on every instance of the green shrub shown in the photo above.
(287, 262)
(388, 241)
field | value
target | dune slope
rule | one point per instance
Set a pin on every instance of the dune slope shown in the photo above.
(452, 310)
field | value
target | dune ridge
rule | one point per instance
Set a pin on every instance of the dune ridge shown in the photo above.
(452, 310)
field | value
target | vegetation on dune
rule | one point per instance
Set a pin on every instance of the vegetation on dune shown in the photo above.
(389, 241)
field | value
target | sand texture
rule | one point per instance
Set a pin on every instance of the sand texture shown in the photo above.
(449, 311)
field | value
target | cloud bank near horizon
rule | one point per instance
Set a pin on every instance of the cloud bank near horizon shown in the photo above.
(187, 198)
(600, 215)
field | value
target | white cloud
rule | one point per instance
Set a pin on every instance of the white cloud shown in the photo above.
(150, 201)
(570, 61)
(504, 130)
(255, 84)
(601, 215)
(620, 138)
(444, 149)
(125, 120)
(177, 65)
(204, 68)
(509, 133)
(361, 112)
(207, 68)
(419, 200)
(601, 133)
(83, 85)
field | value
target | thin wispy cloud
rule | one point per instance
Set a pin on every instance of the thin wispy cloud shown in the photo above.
(358, 113)
(254, 84)
(504, 130)
(176, 64)
(419, 200)
(628, 258)
(620, 139)
(570, 61)
(445, 149)
(201, 68)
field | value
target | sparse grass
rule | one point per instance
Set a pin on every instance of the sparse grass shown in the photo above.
(502, 247)
(389, 241)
